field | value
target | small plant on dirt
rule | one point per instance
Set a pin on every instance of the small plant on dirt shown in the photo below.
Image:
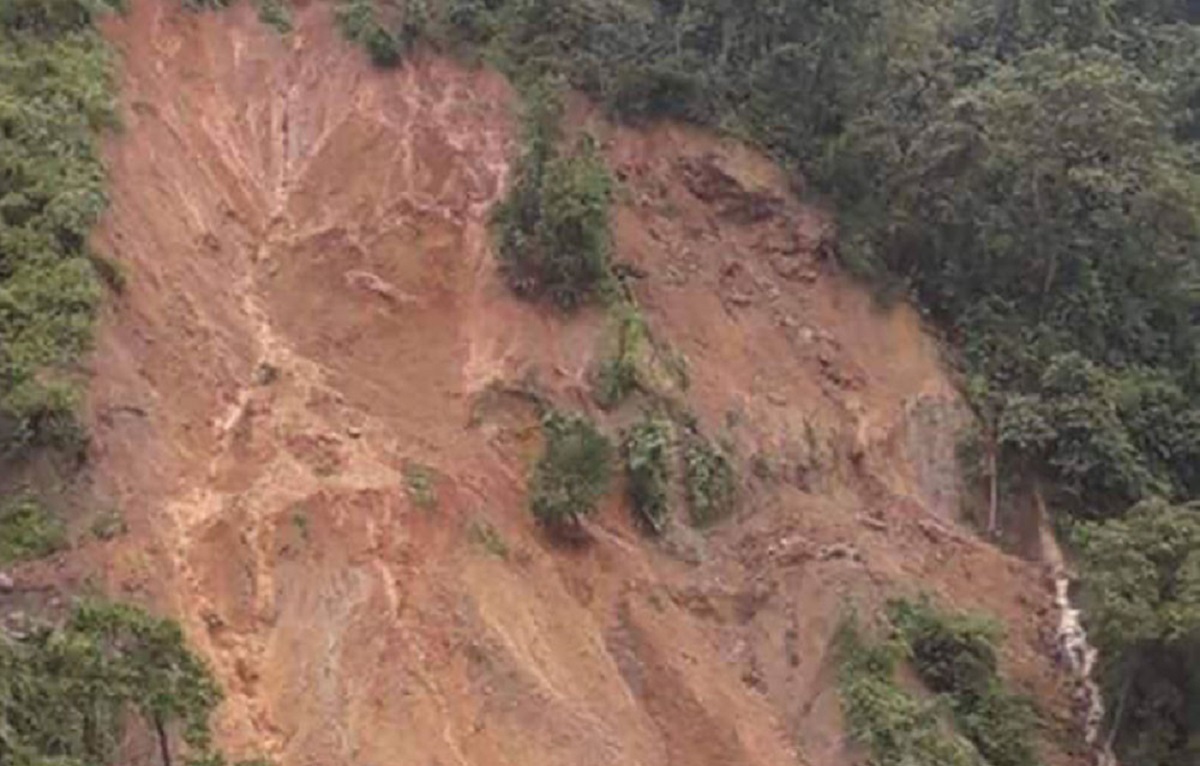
(573, 473)
(486, 536)
(419, 484)
(28, 530)
(553, 229)
(647, 453)
(276, 14)
(710, 482)
(108, 524)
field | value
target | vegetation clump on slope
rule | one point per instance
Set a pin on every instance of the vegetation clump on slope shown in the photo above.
(972, 719)
(574, 472)
(55, 96)
(647, 451)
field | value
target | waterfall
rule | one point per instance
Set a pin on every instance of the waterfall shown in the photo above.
(1081, 657)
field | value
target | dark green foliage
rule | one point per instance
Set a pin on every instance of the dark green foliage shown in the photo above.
(647, 452)
(955, 655)
(28, 530)
(55, 95)
(709, 481)
(1142, 595)
(573, 473)
(67, 693)
(276, 14)
(892, 724)
(553, 229)
(361, 22)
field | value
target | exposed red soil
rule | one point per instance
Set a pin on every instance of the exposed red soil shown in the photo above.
(313, 317)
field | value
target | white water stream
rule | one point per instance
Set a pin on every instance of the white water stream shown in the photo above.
(1080, 655)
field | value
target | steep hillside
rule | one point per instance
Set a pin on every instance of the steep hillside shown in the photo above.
(313, 402)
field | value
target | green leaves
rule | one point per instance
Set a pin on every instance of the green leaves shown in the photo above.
(66, 693)
(573, 473)
(553, 229)
(647, 450)
(55, 94)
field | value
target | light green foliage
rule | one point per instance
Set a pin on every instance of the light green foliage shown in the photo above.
(553, 229)
(28, 530)
(573, 473)
(647, 451)
(388, 29)
(1142, 596)
(709, 480)
(55, 95)
(955, 655)
(892, 724)
(67, 693)
(276, 14)
(618, 376)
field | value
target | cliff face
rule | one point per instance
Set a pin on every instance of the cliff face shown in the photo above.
(308, 404)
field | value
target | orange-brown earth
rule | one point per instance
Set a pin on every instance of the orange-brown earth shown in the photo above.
(314, 322)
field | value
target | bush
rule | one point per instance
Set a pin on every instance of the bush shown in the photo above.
(893, 725)
(573, 472)
(955, 655)
(618, 375)
(647, 452)
(276, 14)
(709, 481)
(28, 530)
(360, 22)
(553, 229)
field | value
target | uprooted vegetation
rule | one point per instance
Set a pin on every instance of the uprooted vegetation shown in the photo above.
(972, 718)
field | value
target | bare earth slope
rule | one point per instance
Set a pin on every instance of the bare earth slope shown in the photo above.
(313, 325)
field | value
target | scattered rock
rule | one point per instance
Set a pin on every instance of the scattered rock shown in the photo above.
(354, 432)
(873, 522)
(6, 583)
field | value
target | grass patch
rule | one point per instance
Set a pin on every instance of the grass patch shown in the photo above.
(647, 453)
(28, 530)
(574, 472)
(709, 480)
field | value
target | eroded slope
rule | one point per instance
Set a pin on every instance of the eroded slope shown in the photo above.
(313, 318)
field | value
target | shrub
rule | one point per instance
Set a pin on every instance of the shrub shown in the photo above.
(647, 452)
(573, 472)
(276, 14)
(710, 482)
(360, 22)
(955, 655)
(28, 530)
(617, 377)
(553, 229)
(893, 725)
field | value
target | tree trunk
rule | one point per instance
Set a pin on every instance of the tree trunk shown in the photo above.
(164, 744)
